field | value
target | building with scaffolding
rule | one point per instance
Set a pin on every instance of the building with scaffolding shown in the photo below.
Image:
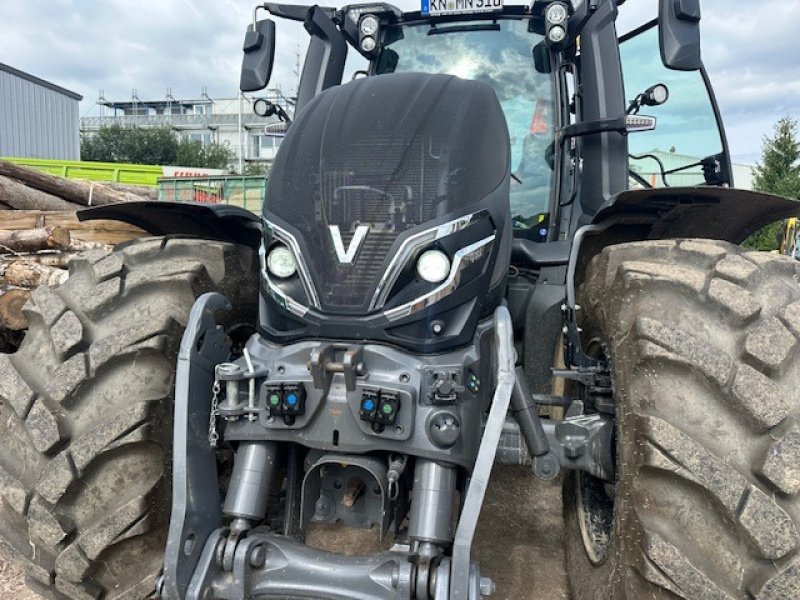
(230, 122)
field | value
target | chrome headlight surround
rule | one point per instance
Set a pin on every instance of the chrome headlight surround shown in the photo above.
(462, 259)
(287, 239)
(411, 246)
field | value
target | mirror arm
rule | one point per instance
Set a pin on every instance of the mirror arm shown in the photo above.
(327, 52)
(282, 115)
(636, 105)
(293, 12)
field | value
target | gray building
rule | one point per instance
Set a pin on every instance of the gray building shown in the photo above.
(38, 119)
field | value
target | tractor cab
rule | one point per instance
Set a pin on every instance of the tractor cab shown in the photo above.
(572, 90)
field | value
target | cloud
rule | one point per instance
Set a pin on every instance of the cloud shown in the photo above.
(150, 45)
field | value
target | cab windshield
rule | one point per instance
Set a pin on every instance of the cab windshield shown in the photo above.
(500, 53)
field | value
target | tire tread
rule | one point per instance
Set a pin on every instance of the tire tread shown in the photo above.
(734, 346)
(113, 312)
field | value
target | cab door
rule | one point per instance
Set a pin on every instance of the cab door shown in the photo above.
(688, 146)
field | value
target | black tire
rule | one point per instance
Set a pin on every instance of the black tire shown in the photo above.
(703, 341)
(86, 413)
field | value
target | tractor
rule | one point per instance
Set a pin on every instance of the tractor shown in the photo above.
(459, 265)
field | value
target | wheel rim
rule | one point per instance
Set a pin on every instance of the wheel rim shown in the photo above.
(595, 516)
(595, 497)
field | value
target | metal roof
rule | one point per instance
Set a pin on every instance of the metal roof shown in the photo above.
(39, 81)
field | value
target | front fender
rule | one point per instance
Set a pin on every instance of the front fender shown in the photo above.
(208, 221)
(700, 212)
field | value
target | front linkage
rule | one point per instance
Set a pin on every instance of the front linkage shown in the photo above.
(217, 548)
(207, 558)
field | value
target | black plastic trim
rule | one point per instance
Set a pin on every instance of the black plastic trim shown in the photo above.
(702, 212)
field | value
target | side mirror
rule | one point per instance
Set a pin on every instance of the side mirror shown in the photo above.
(387, 61)
(679, 29)
(541, 58)
(259, 53)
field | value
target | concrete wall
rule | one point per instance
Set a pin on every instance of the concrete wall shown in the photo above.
(37, 120)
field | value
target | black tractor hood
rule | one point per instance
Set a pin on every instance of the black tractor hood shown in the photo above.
(367, 164)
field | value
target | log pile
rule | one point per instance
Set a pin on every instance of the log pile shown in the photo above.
(21, 271)
(48, 192)
(40, 234)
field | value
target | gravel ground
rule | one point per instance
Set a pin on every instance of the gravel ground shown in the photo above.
(520, 512)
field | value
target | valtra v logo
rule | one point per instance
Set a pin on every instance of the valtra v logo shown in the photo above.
(347, 256)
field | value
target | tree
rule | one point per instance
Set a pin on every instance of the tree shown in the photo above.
(257, 168)
(778, 173)
(156, 146)
(131, 145)
(192, 153)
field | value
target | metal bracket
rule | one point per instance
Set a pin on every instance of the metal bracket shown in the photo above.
(266, 564)
(196, 505)
(479, 481)
(323, 365)
(584, 443)
(371, 467)
(574, 356)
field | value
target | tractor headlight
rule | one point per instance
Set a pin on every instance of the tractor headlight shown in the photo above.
(281, 262)
(557, 34)
(556, 14)
(368, 44)
(657, 95)
(369, 25)
(433, 266)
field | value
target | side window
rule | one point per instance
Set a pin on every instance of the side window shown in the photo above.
(686, 131)
(354, 63)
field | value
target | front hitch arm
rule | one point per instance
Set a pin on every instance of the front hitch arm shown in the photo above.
(196, 503)
(479, 481)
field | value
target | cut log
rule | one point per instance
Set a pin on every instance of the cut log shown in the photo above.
(148, 193)
(59, 260)
(23, 273)
(49, 259)
(31, 240)
(20, 196)
(73, 190)
(107, 232)
(11, 315)
(83, 246)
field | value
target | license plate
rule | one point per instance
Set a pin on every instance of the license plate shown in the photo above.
(438, 8)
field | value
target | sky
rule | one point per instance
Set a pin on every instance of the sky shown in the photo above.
(151, 45)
